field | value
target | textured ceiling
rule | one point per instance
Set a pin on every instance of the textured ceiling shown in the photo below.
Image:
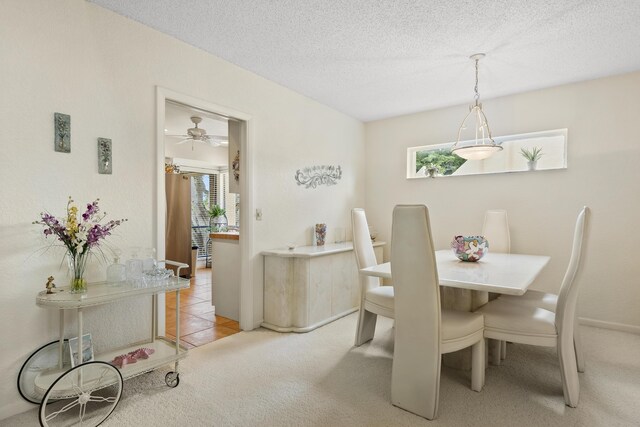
(377, 59)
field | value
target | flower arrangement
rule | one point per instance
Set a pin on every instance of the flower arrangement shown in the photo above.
(79, 235)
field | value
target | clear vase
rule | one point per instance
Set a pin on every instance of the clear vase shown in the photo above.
(321, 234)
(77, 264)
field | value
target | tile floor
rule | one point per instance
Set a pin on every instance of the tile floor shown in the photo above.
(198, 323)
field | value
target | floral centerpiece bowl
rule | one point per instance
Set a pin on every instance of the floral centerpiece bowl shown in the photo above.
(79, 235)
(469, 248)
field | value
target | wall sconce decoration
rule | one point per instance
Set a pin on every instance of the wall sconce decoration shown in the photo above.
(171, 168)
(235, 165)
(62, 132)
(104, 155)
(313, 176)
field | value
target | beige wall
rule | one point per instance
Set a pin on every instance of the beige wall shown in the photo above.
(603, 173)
(73, 57)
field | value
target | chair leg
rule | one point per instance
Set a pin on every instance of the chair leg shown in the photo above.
(415, 386)
(577, 344)
(569, 372)
(503, 350)
(366, 327)
(477, 365)
(494, 351)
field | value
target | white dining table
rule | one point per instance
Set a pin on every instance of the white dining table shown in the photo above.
(509, 274)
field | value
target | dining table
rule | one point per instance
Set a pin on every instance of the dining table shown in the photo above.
(501, 273)
(466, 285)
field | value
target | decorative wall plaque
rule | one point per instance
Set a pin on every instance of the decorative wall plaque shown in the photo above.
(62, 132)
(104, 155)
(235, 165)
(313, 176)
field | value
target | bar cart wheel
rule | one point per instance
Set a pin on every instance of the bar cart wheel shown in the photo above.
(86, 394)
(172, 379)
(43, 359)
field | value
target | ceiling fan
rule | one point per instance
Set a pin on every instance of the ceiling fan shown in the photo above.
(199, 134)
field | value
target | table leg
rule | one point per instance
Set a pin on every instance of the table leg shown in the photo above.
(177, 322)
(154, 317)
(61, 345)
(80, 326)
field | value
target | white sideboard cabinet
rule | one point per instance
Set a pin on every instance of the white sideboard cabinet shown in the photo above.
(310, 286)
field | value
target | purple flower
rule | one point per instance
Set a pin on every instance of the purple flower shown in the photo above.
(97, 232)
(92, 209)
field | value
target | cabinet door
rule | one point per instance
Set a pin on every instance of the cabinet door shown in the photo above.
(342, 282)
(320, 276)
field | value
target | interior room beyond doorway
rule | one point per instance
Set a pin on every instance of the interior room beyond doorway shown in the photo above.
(197, 184)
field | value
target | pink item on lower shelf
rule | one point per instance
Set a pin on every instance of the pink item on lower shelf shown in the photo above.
(123, 360)
(132, 357)
(142, 353)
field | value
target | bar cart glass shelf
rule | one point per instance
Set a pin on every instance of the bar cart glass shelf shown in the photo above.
(89, 392)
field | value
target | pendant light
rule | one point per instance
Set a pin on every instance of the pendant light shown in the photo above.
(480, 145)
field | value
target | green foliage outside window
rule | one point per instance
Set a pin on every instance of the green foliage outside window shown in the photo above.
(443, 161)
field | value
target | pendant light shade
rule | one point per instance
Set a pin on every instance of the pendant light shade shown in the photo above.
(474, 136)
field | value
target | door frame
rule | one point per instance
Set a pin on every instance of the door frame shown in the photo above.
(246, 197)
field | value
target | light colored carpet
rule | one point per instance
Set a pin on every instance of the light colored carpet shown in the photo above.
(263, 378)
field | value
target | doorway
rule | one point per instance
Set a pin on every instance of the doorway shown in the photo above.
(201, 282)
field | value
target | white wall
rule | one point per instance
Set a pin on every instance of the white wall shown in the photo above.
(73, 57)
(603, 173)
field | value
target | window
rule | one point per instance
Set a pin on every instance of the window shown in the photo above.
(438, 160)
(207, 191)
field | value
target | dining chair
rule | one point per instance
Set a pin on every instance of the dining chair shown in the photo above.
(496, 230)
(374, 299)
(423, 332)
(533, 325)
(549, 301)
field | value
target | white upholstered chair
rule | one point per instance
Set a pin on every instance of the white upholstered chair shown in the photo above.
(529, 324)
(374, 299)
(548, 301)
(423, 332)
(496, 230)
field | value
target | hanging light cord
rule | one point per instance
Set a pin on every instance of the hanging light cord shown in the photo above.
(477, 96)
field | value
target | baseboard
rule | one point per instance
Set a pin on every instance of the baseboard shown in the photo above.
(610, 325)
(307, 328)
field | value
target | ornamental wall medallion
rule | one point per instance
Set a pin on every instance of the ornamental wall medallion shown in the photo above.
(313, 176)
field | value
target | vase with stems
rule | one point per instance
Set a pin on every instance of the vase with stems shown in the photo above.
(79, 234)
(77, 264)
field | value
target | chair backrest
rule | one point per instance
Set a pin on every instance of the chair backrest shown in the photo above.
(362, 246)
(496, 231)
(568, 298)
(417, 307)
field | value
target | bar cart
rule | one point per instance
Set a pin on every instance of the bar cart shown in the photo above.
(86, 394)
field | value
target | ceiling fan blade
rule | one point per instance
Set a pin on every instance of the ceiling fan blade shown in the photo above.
(217, 139)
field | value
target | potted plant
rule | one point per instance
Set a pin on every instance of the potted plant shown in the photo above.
(431, 170)
(218, 218)
(532, 156)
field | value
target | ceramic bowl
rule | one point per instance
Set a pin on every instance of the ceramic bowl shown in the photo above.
(469, 248)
